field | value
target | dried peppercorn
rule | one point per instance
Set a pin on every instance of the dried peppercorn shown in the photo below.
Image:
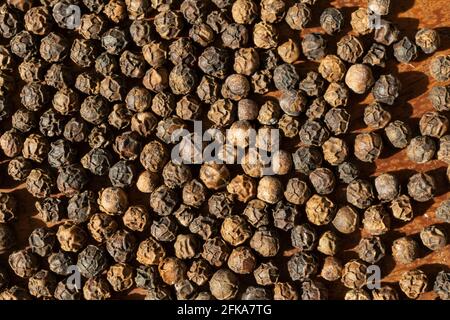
(71, 237)
(386, 89)
(331, 20)
(304, 237)
(306, 159)
(120, 277)
(15, 293)
(121, 174)
(413, 283)
(441, 285)
(319, 210)
(39, 183)
(150, 252)
(354, 274)
(376, 220)
(375, 117)
(331, 269)
(440, 97)
(11, 143)
(359, 78)
(113, 200)
(265, 35)
(323, 180)
(19, 168)
(42, 284)
(335, 151)
(32, 70)
(96, 288)
(332, 68)
(421, 149)
(313, 133)
(405, 50)
(59, 262)
(284, 215)
(387, 33)
(433, 237)
(298, 16)
(346, 220)
(97, 161)
(357, 294)
(360, 193)
(23, 120)
(440, 68)
(376, 55)
(24, 45)
(71, 179)
(398, 133)
(349, 48)
(314, 290)
(266, 274)
(82, 206)
(265, 242)
(371, 249)
(428, 40)
(433, 124)
(347, 172)
(314, 46)
(121, 245)
(401, 208)
(443, 211)
(421, 187)
(164, 229)
(387, 187)
(24, 263)
(368, 146)
(337, 94)
(284, 291)
(302, 266)
(224, 284)
(100, 136)
(360, 21)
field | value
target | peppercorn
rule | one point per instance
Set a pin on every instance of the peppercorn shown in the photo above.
(302, 266)
(284, 291)
(150, 252)
(19, 168)
(59, 263)
(354, 274)
(387, 33)
(24, 263)
(433, 124)
(120, 277)
(332, 68)
(443, 211)
(164, 229)
(314, 46)
(387, 187)
(331, 20)
(433, 237)
(371, 249)
(413, 283)
(440, 68)
(23, 120)
(15, 293)
(159, 293)
(97, 161)
(96, 288)
(441, 285)
(368, 146)
(39, 183)
(121, 245)
(332, 269)
(336, 95)
(421, 187)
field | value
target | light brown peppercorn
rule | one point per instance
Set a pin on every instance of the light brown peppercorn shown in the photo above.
(354, 274)
(332, 269)
(376, 220)
(413, 283)
(319, 210)
(405, 250)
(359, 78)
(332, 68)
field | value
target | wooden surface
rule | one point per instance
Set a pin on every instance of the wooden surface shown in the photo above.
(409, 15)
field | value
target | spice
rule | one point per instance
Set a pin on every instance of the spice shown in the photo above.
(413, 283)
(376, 220)
(332, 68)
(375, 117)
(398, 133)
(298, 16)
(371, 249)
(331, 20)
(332, 269)
(224, 284)
(421, 187)
(387, 187)
(440, 68)
(405, 50)
(357, 294)
(354, 274)
(428, 40)
(443, 211)
(433, 237)
(368, 146)
(386, 89)
(433, 124)
(360, 21)
(360, 193)
(405, 250)
(441, 285)
(359, 78)
(319, 210)
(314, 46)
(302, 266)
(284, 291)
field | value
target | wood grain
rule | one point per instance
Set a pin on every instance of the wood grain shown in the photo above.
(409, 15)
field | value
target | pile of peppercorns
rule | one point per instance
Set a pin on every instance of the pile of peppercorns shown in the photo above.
(88, 109)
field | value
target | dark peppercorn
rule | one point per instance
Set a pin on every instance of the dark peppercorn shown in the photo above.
(302, 266)
(440, 68)
(50, 209)
(433, 237)
(331, 20)
(421, 187)
(24, 263)
(386, 89)
(405, 50)
(413, 283)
